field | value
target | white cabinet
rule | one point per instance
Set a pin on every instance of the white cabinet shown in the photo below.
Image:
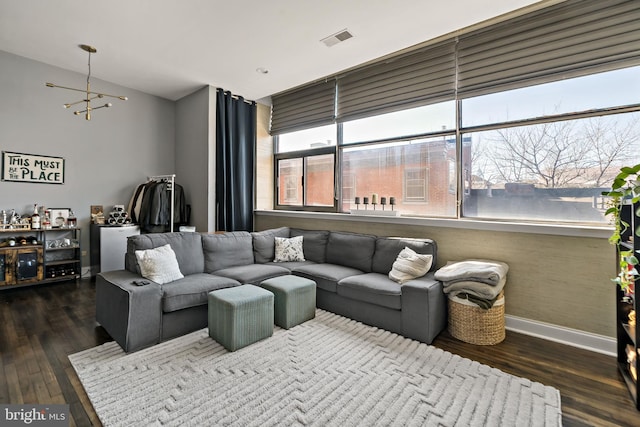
(109, 246)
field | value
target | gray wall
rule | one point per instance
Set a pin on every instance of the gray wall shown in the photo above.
(195, 154)
(105, 157)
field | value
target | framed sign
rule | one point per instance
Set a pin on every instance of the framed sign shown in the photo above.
(32, 168)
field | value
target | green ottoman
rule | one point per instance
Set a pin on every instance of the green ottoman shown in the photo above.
(295, 299)
(240, 316)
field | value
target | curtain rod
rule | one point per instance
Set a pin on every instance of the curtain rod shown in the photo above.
(239, 97)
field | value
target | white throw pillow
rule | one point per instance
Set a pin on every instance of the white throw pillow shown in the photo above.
(410, 265)
(159, 264)
(288, 249)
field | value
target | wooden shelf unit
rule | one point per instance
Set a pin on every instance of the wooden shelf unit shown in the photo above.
(57, 256)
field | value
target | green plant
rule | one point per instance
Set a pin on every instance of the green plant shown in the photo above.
(624, 189)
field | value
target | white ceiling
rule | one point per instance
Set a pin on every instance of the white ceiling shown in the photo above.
(171, 48)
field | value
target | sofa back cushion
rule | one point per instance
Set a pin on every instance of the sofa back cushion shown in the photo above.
(388, 248)
(227, 250)
(187, 247)
(264, 243)
(314, 243)
(351, 250)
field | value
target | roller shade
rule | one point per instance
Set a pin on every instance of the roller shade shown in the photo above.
(421, 77)
(570, 39)
(310, 106)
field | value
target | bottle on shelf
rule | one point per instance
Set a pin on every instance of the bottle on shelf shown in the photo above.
(35, 218)
(71, 220)
(46, 221)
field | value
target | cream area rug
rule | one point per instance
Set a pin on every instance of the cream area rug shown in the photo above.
(329, 371)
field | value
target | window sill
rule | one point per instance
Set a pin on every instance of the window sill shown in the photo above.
(470, 224)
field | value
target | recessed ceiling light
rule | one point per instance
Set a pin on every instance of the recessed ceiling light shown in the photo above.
(262, 70)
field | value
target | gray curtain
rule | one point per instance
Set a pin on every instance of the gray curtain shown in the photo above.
(235, 162)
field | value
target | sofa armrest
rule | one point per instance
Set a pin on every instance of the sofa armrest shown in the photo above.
(424, 308)
(131, 314)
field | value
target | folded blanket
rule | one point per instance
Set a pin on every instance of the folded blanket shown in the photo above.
(483, 303)
(479, 289)
(489, 272)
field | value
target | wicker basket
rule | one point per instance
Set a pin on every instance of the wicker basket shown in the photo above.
(472, 324)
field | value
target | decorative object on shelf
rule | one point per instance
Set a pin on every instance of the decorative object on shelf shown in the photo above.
(46, 221)
(89, 95)
(97, 214)
(13, 221)
(35, 218)
(59, 217)
(625, 188)
(23, 167)
(375, 200)
(118, 216)
(72, 221)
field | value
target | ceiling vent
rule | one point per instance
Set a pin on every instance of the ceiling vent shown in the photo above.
(336, 38)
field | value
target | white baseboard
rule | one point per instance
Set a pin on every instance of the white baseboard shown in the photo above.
(573, 337)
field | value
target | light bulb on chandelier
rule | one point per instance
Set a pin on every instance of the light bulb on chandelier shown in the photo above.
(89, 95)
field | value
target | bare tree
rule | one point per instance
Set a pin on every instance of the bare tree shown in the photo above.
(577, 153)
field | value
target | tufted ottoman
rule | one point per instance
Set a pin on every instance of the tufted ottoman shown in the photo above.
(295, 299)
(240, 316)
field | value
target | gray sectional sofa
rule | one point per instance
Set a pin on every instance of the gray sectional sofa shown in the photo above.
(350, 270)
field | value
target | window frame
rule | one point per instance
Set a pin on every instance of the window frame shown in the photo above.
(304, 155)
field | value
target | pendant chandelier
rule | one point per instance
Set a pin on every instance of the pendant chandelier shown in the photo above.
(89, 95)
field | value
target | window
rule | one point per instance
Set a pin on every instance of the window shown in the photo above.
(603, 90)
(414, 172)
(290, 178)
(318, 137)
(415, 185)
(415, 121)
(557, 168)
(305, 180)
(553, 171)
(526, 119)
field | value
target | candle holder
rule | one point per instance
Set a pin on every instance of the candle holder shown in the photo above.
(383, 201)
(357, 202)
(392, 202)
(365, 201)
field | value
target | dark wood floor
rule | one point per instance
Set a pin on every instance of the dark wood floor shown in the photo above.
(41, 325)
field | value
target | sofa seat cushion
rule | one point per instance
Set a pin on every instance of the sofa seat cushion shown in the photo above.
(192, 290)
(326, 276)
(252, 274)
(374, 288)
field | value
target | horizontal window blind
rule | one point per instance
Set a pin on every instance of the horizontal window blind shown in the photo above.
(420, 77)
(570, 39)
(565, 40)
(310, 106)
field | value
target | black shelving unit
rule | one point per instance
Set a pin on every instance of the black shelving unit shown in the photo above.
(626, 302)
